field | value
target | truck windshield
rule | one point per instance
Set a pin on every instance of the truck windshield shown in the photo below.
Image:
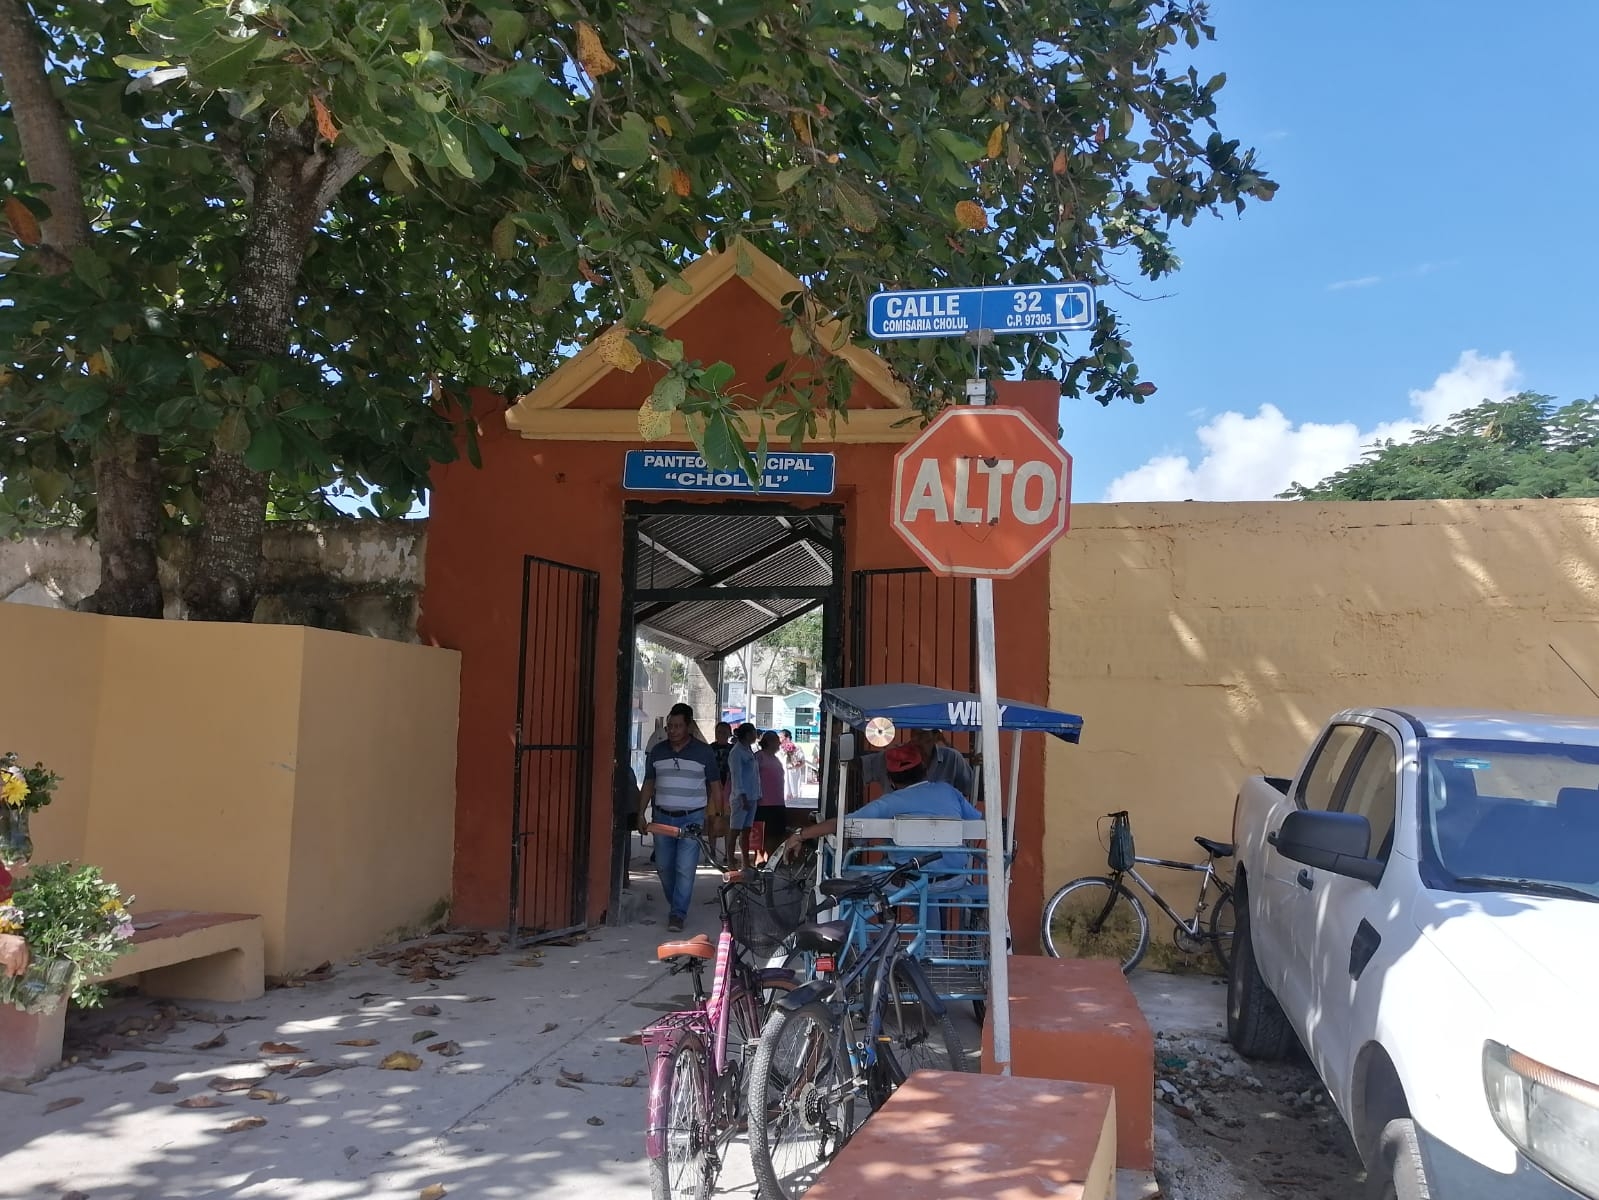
(1510, 815)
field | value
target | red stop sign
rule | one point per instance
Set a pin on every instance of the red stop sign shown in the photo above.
(982, 492)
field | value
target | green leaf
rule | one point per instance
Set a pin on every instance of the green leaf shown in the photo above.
(743, 263)
(962, 147)
(225, 61)
(139, 62)
(668, 350)
(233, 435)
(454, 152)
(265, 451)
(92, 269)
(889, 16)
(503, 238)
(787, 179)
(1217, 82)
(857, 210)
(629, 146)
(717, 376)
(906, 162)
(507, 28)
(668, 393)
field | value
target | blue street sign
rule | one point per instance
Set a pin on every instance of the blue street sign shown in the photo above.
(685, 471)
(953, 312)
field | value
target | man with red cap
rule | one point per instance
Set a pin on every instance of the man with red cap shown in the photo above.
(914, 795)
(13, 950)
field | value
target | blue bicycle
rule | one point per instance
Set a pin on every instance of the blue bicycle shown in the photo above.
(835, 1048)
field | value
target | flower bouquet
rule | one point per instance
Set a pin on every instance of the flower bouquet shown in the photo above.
(22, 791)
(76, 925)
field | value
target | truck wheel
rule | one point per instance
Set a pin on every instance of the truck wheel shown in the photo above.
(1256, 1025)
(1397, 1173)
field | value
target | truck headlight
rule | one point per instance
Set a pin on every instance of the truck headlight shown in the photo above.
(1552, 1117)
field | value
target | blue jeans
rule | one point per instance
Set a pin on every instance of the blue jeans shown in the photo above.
(676, 860)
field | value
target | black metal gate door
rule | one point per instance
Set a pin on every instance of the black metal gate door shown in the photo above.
(908, 625)
(552, 789)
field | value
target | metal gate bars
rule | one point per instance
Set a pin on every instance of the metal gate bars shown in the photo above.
(552, 788)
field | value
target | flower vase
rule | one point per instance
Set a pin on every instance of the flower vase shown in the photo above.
(40, 988)
(16, 846)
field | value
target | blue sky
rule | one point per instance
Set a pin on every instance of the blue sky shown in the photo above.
(1438, 182)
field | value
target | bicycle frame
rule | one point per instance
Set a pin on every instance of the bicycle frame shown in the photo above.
(1191, 926)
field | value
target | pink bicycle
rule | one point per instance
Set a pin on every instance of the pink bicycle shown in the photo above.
(699, 1056)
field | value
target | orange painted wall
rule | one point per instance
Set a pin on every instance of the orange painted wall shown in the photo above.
(564, 501)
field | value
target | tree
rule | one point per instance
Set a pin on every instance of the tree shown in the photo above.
(1525, 446)
(265, 246)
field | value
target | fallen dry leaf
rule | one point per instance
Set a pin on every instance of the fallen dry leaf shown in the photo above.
(244, 1123)
(314, 1070)
(531, 960)
(478, 999)
(284, 1068)
(23, 223)
(425, 1010)
(571, 1076)
(359, 1042)
(128, 1068)
(281, 1048)
(401, 1060)
(64, 1102)
(163, 1088)
(433, 1191)
(202, 1102)
(18, 1087)
(595, 1121)
(446, 1049)
(422, 1035)
(223, 1084)
(559, 1082)
(266, 1094)
(628, 1081)
(211, 1043)
(550, 1027)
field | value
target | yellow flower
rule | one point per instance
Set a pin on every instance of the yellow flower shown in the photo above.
(9, 926)
(13, 788)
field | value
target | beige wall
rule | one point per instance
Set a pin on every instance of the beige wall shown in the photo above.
(303, 775)
(375, 811)
(1205, 642)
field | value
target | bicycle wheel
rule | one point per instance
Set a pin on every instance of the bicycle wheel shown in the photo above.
(801, 1100)
(1096, 917)
(919, 1040)
(1223, 919)
(678, 1091)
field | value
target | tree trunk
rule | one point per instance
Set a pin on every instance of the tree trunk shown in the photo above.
(127, 484)
(288, 195)
(126, 469)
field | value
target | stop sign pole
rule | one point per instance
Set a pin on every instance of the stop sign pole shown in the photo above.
(977, 314)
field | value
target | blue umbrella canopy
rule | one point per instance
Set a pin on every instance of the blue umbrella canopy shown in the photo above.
(918, 706)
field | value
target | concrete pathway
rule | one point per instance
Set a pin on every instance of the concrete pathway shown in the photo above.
(541, 1100)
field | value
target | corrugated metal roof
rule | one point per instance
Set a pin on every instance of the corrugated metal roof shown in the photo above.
(731, 550)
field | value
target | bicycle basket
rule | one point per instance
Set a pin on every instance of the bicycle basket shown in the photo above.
(764, 910)
(1121, 842)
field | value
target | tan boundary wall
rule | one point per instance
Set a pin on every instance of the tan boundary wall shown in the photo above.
(1205, 642)
(304, 775)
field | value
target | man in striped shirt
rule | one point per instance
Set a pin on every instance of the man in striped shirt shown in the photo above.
(681, 775)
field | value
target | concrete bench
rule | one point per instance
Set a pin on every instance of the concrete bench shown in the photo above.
(948, 1136)
(1077, 1019)
(181, 954)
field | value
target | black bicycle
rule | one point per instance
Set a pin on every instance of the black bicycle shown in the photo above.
(837, 1047)
(1099, 916)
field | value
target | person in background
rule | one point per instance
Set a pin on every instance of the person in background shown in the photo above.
(773, 812)
(13, 949)
(681, 781)
(914, 795)
(944, 764)
(744, 789)
(793, 770)
(717, 823)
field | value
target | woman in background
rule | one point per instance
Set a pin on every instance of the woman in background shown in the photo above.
(772, 815)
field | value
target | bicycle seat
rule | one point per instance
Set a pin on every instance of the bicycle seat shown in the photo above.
(822, 937)
(698, 946)
(1219, 849)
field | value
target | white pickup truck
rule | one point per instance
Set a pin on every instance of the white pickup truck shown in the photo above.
(1420, 906)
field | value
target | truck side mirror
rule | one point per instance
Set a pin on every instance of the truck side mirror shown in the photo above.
(846, 747)
(1329, 841)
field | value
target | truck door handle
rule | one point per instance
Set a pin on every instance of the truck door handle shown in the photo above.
(1304, 880)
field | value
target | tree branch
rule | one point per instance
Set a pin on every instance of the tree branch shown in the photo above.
(42, 129)
(346, 163)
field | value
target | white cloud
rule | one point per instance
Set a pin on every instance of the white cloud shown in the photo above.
(1256, 457)
(1363, 281)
